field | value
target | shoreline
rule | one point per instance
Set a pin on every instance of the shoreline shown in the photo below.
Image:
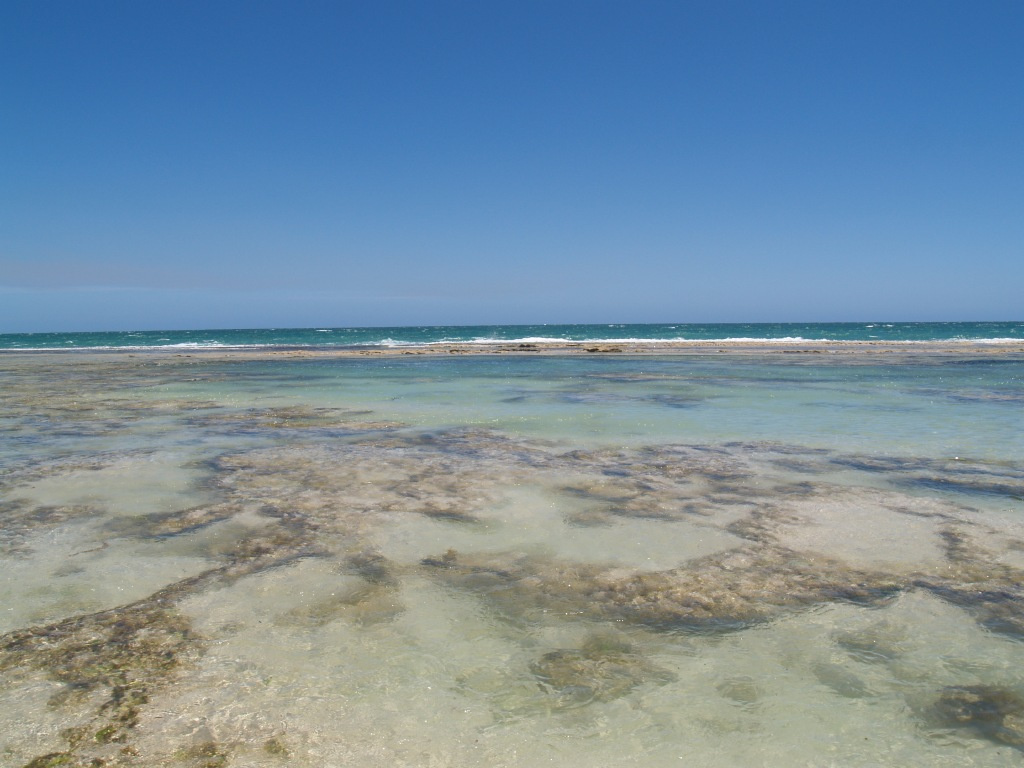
(1010, 348)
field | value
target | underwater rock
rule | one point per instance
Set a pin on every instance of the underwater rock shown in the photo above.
(620, 498)
(722, 592)
(308, 496)
(960, 476)
(292, 417)
(173, 523)
(116, 658)
(373, 599)
(1013, 490)
(112, 661)
(841, 680)
(366, 605)
(207, 754)
(601, 670)
(997, 610)
(117, 649)
(20, 519)
(62, 759)
(276, 747)
(372, 566)
(741, 690)
(990, 591)
(993, 712)
(877, 644)
(447, 513)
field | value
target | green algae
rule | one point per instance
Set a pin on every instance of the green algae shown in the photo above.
(121, 655)
(276, 747)
(207, 754)
(111, 662)
(107, 734)
(53, 760)
(116, 649)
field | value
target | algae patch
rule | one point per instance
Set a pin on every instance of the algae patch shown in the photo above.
(603, 669)
(991, 712)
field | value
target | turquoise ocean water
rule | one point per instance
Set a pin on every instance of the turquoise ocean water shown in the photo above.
(413, 335)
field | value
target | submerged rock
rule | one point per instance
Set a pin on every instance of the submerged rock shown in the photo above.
(601, 670)
(991, 711)
(723, 592)
(976, 581)
(292, 417)
(109, 664)
(997, 610)
(373, 567)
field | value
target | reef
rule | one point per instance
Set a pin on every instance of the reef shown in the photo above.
(20, 519)
(991, 592)
(315, 482)
(988, 711)
(604, 668)
(110, 662)
(718, 593)
(292, 417)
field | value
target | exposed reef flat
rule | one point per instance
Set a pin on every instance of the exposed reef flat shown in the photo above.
(869, 349)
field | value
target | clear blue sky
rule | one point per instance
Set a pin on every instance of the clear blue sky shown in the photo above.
(247, 164)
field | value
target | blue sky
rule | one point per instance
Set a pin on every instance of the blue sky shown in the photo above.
(249, 164)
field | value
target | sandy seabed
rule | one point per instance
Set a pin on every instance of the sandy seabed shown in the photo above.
(613, 555)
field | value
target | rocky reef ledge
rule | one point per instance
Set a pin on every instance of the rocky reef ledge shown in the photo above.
(815, 349)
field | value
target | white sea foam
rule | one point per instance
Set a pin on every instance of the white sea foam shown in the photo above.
(525, 340)
(144, 347)
(628, 340)
(483, 340)
(487, 340)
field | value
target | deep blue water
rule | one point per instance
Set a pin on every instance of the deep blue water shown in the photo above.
(346, 337)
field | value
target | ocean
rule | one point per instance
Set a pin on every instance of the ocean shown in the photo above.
(425, 335)
(254, 559)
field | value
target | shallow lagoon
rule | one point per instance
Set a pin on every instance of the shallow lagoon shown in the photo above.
(511, 561)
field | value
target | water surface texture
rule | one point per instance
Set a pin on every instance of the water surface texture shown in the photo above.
(439, 334)
(511, 561)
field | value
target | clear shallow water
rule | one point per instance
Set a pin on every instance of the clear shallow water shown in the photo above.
(424, 335)
(511, 561)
